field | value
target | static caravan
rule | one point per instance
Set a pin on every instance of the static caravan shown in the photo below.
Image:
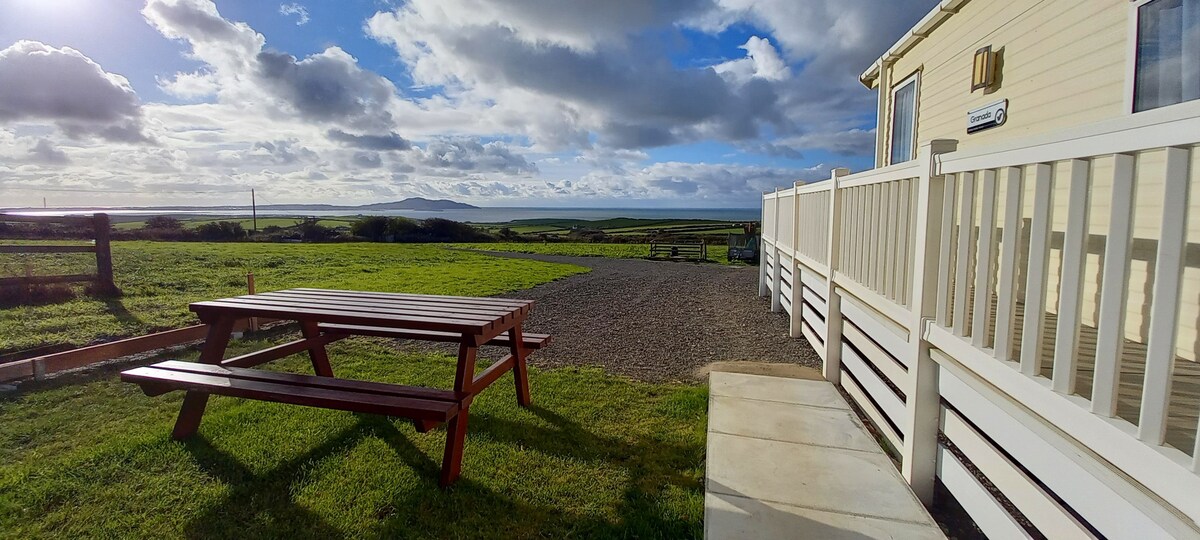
(1012, 295)
(985, 72)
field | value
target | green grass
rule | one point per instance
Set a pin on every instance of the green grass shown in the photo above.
(595, 457)
(621, 226)
(583, 249)
(159, 279)
(247, 223)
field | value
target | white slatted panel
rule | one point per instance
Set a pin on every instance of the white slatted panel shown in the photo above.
(1039, 268)
(889, 403)
(1039, 506)
(966, 232)
(1114, 291)
(1164, 311)
(985, 510)
(1006, 284)
(946, 254)
(982, 311)
(889, 366)
(1070, 297)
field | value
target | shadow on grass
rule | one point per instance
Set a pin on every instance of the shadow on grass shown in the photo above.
(118, 310)
(262, 505)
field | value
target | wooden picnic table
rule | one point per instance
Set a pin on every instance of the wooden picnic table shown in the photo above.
(326, 316)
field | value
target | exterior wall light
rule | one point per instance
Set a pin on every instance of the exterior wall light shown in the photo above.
(984, 73)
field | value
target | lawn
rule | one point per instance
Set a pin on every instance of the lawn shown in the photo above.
(247, 223)
(159, 279)
(583, 249)
(595, 457)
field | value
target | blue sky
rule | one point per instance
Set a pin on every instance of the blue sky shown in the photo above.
(671, 103)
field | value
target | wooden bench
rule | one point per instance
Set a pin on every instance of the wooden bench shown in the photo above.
(326, 316)
(530, 341)
(689, 252)
(423, 404)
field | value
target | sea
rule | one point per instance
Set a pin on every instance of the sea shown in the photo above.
(472, 215)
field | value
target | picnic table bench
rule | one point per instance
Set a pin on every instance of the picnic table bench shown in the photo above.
(326, 316)
(697, 251)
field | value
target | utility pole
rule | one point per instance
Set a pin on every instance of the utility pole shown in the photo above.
(253, 212)
(43, 203)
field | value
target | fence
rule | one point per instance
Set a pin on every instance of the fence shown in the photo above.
(98, 223)
(1019, 323)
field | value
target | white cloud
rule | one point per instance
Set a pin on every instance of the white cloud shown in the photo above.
(41, 83)
(298, 10)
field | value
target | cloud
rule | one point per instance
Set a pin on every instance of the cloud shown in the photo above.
(762, 60)
(62, 86)
(366, 160)
(44, 152)
(327, 87)
(391, 141)
(460, 156)
(628, 92)
(298, 10)
(283, 152)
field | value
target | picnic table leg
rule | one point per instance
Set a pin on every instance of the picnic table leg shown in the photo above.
(317, 354)
(456, 435)
(219, 333)
(520, 370)
(456, 429)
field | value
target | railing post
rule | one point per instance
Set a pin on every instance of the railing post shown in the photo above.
(922, 407)
(762, 259)
(776, 272)
(797, 298)
(104, 269)
(832, 368)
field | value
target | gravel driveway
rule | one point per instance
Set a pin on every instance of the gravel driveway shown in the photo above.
(655, 320)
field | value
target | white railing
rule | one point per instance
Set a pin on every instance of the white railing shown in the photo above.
(1035, 305)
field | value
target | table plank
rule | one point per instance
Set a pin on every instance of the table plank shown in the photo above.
(386, 389)
(319, 303)
(480, 300)
(396, 303)
(223, 308)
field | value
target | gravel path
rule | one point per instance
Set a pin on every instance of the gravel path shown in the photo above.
(656, 320)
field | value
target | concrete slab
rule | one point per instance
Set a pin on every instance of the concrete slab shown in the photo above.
(788, 459)
(770, 369)
(730, 516)
(768, 420)
(784, 390)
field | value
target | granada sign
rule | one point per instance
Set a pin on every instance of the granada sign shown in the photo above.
(988, 116)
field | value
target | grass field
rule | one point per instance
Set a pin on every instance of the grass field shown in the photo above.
(247, 223)
(159, 279)
(616, 226)
(595, 457)
(583, 249)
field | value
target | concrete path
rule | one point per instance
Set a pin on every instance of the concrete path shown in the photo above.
(787, 458)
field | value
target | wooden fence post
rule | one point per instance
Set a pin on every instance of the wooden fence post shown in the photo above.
(104, 269)
(250, 289)
(832, 368)
(922, 406)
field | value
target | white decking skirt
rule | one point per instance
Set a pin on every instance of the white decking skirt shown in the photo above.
(787, 458)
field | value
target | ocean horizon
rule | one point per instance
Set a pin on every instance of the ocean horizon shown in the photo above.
(496, 214)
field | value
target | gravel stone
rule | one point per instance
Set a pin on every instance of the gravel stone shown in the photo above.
(657, 320)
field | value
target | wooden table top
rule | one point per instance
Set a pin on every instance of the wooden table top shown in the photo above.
(461, 314)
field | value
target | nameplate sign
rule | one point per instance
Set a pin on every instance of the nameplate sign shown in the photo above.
(987, 117)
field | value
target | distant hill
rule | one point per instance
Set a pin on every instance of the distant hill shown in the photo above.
(411, 203)
(418, 203)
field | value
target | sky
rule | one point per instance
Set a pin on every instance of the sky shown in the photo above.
(567, 103)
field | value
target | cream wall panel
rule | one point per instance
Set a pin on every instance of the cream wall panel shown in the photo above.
(1056, 72)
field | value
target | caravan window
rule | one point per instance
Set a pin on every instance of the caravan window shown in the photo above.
(1168, 54)
(904, 121)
